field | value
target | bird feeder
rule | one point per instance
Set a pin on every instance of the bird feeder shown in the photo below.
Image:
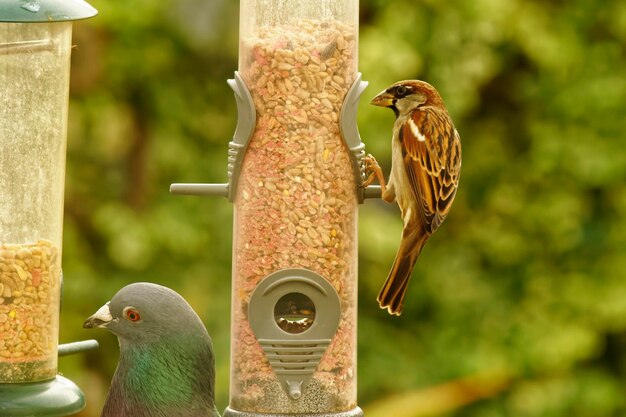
(35, 45)
(295, 177)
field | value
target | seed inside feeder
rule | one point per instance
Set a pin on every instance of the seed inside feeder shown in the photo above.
(296, 207)
(29, 282)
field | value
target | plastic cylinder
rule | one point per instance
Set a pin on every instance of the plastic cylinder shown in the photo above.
(34, 75)
(296, 210)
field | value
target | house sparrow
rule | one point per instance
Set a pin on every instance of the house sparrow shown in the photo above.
(425, 166)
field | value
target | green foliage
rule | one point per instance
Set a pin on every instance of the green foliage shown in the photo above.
(525, 276)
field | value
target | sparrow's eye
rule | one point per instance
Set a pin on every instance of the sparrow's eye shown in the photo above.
(402, 90)
(131, 314)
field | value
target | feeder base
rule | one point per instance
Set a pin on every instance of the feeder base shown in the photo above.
(54, 398)
(229, 412)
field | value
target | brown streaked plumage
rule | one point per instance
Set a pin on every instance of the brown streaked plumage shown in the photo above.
(425, 167)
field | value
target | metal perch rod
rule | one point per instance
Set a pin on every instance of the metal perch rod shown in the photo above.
(77, 347)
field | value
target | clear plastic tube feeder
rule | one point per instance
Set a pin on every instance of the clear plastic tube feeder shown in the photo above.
(35, 45)
(295, 178)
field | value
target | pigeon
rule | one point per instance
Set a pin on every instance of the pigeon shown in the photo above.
(166, 366)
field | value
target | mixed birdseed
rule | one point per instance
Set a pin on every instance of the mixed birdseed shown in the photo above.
(29, 287)
(296, 204)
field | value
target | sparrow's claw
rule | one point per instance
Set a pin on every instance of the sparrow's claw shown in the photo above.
(370, 162)
(369, 180)
(373, 170)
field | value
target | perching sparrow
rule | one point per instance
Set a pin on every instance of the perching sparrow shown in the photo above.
(425, 166)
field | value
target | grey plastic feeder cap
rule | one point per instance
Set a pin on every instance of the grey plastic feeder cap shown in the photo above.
(44, 11)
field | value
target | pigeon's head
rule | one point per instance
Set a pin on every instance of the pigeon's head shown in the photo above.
(145, 312)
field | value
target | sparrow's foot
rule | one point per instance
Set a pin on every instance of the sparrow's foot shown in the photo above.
(374, 171)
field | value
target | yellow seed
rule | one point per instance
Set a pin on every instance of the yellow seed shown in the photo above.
(12, 314)
(23, 274)
(7, 254)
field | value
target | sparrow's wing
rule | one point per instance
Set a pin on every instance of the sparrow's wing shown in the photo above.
(432, 156)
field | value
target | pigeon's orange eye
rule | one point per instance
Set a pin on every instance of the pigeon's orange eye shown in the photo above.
(131, 314)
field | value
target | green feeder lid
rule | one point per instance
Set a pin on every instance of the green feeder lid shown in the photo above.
(54, 398)
(32, 11)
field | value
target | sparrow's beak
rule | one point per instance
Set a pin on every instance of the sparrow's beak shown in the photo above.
(384, 99)
(101, 318)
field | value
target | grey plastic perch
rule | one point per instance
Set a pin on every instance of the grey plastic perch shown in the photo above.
(77, 347)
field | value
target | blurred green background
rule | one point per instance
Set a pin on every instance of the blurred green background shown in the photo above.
(518, 304)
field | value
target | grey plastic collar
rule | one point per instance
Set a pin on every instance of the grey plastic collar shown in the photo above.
(246, 123)
(350, 134)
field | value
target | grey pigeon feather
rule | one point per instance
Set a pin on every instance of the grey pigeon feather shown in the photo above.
(166, 366)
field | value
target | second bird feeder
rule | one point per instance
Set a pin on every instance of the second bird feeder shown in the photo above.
(35, 49)
(295, 178)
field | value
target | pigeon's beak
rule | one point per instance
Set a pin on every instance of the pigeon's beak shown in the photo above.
(384, 99)
(101, 318)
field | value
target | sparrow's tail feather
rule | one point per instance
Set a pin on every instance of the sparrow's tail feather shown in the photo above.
(392, 293)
